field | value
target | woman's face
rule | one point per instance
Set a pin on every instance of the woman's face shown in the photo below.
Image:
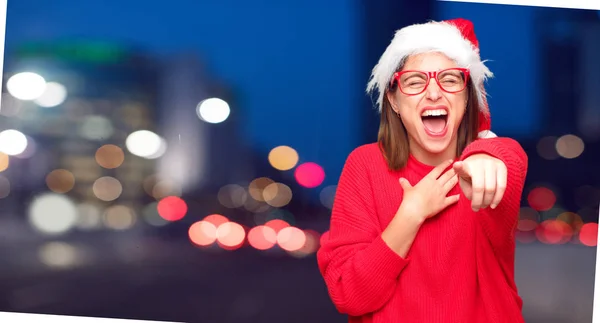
(431, 118)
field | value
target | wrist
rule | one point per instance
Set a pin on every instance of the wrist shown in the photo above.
(401, 231)
(408, 214)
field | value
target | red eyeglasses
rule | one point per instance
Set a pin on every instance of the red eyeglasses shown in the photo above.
(451, 80)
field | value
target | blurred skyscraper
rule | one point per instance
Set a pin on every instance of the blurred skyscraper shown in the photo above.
(95, 96)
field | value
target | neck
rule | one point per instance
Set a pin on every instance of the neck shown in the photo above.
(432, 159)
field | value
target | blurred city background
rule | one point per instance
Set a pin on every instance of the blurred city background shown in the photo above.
(178, 161)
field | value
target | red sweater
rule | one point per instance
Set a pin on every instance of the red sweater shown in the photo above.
(460, 268)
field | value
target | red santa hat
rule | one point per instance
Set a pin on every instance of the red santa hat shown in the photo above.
(456, 39)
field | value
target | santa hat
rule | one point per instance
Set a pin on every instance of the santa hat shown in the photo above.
(456, 39)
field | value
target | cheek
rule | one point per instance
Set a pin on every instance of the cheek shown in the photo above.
(409, 116)
(408, 107)
(459, 106)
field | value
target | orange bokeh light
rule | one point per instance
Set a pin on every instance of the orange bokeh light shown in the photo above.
(231, 235)
(203, 233)
(311, 245)
(554, 232)
(291, 239)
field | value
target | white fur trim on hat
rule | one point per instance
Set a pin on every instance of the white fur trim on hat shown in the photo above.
(486, 134)
(433, 36)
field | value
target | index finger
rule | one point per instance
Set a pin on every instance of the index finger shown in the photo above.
(500, 187)
(437, 171)
(462, 170)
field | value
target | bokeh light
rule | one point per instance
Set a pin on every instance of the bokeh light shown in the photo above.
(30, 149)
(216, 219)
(541, 198)
(4, 162)
(119, 217)
(151, 216)
(145, 144)
(291, 238)
(257, 186)
(12, 142)
(309, 175)
(588, 234)
(59, 255)
(277, 194)
(164, 188)
(54, 94)
(213, 110)
(60, 181)
(88, 216)
(283, 158)
(26, 86)
(572, 219)
(107, 188)
(11, 106)
(172, 208)
(203, 233)
(52, 213)
(546, 148)
(554, 232)
(110, 156)
(230, 235)
(149, 182)
(277, 225)
(232, 196)
(96, 128)
(528, 219)
(569, 146)
(311, 245)
(327, 196)
(262, 237)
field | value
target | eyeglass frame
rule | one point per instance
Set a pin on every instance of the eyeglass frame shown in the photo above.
(434, 74)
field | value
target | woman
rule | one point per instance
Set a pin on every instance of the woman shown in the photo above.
(422, 228)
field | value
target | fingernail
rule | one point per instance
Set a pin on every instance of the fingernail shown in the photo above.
(493, 206)
(475, 209)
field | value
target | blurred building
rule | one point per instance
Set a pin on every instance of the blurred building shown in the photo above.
(200, 120)
(78, 127)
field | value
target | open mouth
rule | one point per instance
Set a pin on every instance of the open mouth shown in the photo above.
(435, 121)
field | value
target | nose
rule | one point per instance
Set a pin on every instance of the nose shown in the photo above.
(433, 91)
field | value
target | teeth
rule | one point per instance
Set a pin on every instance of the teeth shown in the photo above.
(434, 113)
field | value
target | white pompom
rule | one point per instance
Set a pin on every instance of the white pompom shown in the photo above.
(486, 134)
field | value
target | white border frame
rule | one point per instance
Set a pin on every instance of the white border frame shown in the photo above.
(572, 4)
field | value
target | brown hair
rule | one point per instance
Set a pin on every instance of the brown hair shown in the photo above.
(393, 139)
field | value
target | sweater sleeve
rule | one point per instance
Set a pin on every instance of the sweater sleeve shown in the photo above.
(500, 223)
(360, 270)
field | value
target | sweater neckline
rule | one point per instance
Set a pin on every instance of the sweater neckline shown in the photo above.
(420, 168)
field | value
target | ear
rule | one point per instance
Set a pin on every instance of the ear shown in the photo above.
(392, 100)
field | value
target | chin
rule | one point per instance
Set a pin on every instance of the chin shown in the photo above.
(436, 147)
